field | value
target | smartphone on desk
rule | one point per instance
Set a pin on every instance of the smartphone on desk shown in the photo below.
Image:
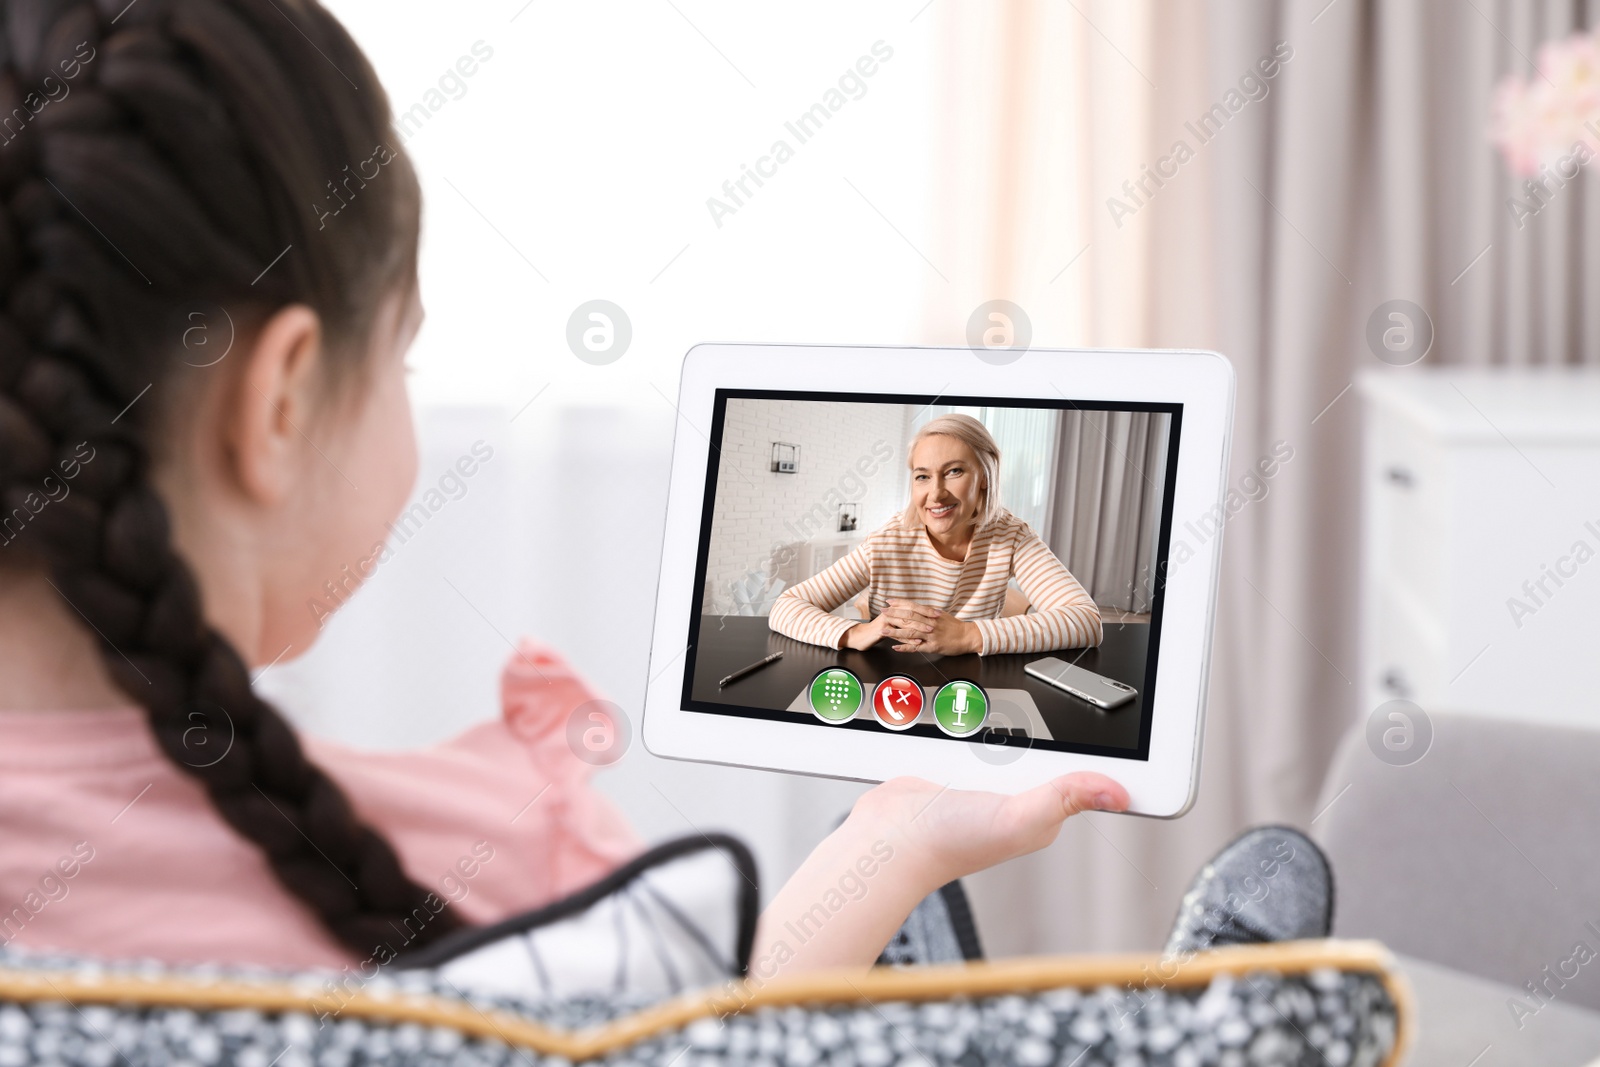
(1102, 692)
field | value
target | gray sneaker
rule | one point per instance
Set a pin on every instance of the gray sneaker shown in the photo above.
(1271, 883)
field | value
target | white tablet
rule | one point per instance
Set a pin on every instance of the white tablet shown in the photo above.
(1066, 509)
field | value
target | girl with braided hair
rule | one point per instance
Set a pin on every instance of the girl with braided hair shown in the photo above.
(166, 515)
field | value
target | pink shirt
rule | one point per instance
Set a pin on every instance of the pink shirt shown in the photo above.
(108, 849)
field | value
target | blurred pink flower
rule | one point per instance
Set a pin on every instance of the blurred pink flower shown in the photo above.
(1537, 119)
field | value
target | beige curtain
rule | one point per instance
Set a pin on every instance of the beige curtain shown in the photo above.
(1362, 174)
(1111, 470)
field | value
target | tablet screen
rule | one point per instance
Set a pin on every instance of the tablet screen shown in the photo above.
(1028, 535)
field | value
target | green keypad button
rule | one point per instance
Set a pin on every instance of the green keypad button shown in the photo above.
(836, 695)
(960, 707)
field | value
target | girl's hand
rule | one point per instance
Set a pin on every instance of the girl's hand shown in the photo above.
(903, 840)
(952, 832)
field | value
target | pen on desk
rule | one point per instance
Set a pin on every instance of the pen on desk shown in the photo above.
(742, 671)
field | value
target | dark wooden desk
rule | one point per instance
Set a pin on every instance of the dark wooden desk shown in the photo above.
(727, 642)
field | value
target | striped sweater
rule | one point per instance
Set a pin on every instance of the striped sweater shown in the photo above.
(900, 563)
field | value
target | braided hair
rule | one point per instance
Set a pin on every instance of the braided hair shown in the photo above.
(155, 157)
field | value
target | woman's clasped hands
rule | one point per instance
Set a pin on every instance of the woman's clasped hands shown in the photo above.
(916, 628)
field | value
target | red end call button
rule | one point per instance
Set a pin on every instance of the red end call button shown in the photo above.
(897, 701)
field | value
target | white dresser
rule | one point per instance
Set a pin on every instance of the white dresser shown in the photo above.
(1480, 556)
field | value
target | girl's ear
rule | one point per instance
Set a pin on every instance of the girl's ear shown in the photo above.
(271, 402)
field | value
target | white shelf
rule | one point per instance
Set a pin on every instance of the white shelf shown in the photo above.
(1491, 404)
(1474, 482)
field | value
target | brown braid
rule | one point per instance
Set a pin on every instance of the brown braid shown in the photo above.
(156, 157)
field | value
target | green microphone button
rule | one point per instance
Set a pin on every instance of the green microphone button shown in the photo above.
(960, 708)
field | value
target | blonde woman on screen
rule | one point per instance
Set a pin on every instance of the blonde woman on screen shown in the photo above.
(937, 574)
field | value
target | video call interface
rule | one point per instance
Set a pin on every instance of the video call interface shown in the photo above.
(1031, 535)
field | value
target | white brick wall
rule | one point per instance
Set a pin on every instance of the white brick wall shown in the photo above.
(848, 452)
